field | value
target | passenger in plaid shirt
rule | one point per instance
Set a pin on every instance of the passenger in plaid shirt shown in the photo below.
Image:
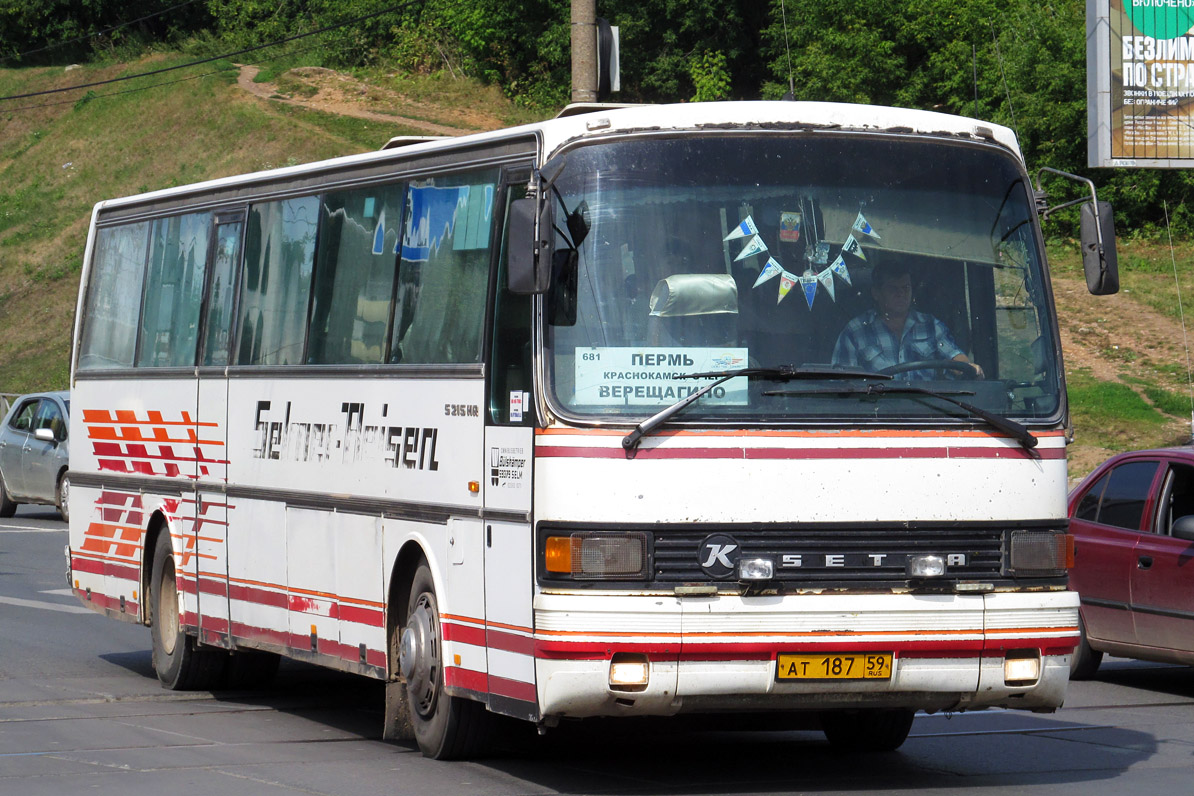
(893, 333)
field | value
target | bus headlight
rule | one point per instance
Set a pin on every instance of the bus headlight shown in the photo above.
(597, 555)
(1040, 553)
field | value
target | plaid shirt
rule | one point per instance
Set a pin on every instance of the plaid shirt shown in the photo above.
(867, 342)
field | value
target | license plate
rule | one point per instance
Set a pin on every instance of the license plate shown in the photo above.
(868, 666)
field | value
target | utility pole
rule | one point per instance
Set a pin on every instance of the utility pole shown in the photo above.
(584, 50)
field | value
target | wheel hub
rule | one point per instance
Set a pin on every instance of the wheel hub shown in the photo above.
(418, 657)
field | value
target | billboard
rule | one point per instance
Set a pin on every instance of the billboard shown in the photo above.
(1140, 83)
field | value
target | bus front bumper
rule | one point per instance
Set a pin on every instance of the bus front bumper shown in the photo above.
(722, 653)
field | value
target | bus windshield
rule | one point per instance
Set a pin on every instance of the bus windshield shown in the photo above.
(837, 253)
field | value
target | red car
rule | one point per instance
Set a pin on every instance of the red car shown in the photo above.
(1133, 523)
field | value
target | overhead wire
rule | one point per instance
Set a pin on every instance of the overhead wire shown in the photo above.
(225, 56)
(87, 98)
(92, 35)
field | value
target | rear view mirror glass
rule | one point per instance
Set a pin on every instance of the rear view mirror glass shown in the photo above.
(1099, 258)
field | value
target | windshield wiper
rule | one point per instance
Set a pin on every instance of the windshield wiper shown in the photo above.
(783, 373)
(1009, 427)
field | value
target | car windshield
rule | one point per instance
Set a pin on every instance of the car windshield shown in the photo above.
(841, 252)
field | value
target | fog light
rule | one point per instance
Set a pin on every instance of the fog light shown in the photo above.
(926, 566)
(629, 671)
(756, 569)
(1021, 671)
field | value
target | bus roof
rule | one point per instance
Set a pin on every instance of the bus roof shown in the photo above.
(604, 121)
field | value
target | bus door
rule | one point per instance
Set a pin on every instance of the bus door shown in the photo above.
(210, 530)
(509, 547)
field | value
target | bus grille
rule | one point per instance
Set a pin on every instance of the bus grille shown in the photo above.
(819, 555)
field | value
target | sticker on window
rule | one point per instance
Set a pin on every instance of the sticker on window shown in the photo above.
(653, 376)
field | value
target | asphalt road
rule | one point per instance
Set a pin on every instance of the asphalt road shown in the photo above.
(81, 711)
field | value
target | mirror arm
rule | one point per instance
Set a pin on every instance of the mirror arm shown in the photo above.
(1094, 200)
(1047, 211)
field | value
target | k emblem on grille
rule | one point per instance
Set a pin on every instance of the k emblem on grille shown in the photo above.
(718, 555)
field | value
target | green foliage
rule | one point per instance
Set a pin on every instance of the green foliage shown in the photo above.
(709, 75)
(1021, 63)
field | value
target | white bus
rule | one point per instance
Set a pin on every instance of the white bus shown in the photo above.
(591, 418)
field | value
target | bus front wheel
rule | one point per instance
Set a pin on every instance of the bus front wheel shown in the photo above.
(867, 730)
(180, 663)
(445, 727)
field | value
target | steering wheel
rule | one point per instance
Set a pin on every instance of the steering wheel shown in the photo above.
(965, 369)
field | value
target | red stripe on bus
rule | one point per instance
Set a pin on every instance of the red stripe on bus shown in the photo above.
(466, 678)
(589, 651)
(266, 597)
(94, 567)
(509, 642)
(463, 634)
(106, 602)
(569, 452)
(362, 616)
(514, 689)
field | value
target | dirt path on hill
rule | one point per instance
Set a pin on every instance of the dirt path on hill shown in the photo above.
(332, 92)
(1117, 339)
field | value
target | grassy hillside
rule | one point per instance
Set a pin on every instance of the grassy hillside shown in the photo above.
(59, 155)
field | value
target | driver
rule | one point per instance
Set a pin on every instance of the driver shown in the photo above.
(893, 333)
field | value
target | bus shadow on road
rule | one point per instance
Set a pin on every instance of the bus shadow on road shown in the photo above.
(735, 754)
(699, 755)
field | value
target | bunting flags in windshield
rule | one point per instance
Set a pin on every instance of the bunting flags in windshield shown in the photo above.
(770, 270)
(743, 230)
(863, 227)
(754, 246)
(810, 280)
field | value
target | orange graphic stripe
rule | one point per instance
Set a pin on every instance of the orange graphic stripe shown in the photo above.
(129, 417)
(134, 434)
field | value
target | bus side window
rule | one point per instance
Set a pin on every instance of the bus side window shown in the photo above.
(443, 271)
(174, 291)
(359, 239)
(279, 256)
(510, 358)
(113, 304)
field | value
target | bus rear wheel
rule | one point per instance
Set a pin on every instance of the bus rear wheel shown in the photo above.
(867, 730)
(180, 663)
(445, 727)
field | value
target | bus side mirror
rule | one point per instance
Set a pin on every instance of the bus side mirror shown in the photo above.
(1099, 258)
(527, 264)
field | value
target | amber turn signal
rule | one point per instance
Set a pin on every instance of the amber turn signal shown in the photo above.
(558, 554)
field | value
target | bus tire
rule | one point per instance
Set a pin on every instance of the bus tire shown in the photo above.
(180, 663)
(867, 730)
(445, 727)
(8, 506)
(1085, 660)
